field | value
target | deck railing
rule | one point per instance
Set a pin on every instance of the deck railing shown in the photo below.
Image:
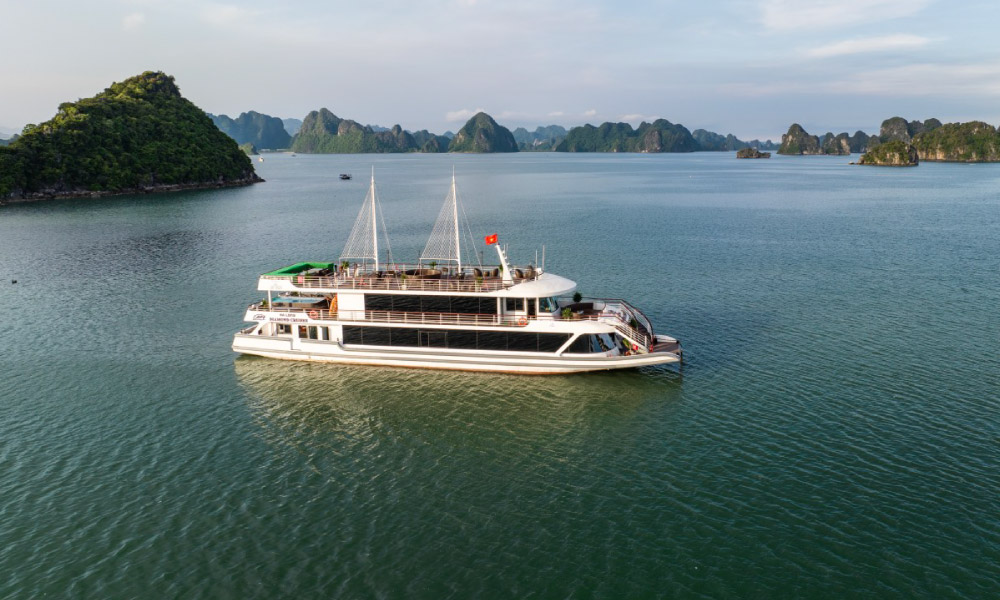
(469, 280)
(613, 313)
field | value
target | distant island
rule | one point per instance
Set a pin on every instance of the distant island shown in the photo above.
(482, 134)
(896, 153)
(251, 127)
(930, 140)
(139, 135)
(751, 153)
(323, 132)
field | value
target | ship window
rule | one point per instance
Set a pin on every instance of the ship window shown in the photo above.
(284, 328)
(378, 302)
(404, 336)
(515, 304)
(550, 342)
(492, 340)
(437, 304)
(581, 345)
(352, 335)
(434, 338)
(547, 305)
(465, 304)
(313, 334)
(524, 342)
(406, 303)
(461, 338)
(376, 336)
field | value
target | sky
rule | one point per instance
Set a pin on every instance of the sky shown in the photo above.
(747, 67)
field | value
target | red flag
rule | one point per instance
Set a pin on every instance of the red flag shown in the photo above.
(491, 239)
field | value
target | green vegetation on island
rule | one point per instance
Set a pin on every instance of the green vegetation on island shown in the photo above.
(323, 132)
(895, 153)
(249, 149)
(263, 131)
(659, 136)
(482, 134)
(798, 141)
(138, 135)
(974, 141)
(714, 142)
(751, 153)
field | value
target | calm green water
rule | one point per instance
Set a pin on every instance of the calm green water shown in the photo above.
(834, 432)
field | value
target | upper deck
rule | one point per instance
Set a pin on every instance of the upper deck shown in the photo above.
(526, 282)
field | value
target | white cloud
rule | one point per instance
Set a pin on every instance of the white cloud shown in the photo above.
(227, 14)
(461, 115)
(634, 117)
(872, 44)
(133, 21)
(783, 15)
(928, 79)
(556, 113)
(590, 113)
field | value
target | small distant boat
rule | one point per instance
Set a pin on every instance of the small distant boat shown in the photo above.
(345, 176)
(260, 159)
(293, 154)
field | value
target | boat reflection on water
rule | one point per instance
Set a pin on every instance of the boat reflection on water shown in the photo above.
(301, 403)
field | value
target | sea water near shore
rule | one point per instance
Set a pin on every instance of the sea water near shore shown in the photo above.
(833, 433)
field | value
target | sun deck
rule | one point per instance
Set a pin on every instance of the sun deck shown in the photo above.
(414, 278)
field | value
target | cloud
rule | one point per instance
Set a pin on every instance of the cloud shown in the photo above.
(133, 21)
(556, 113)
(227, 14)
(461, 115)
(784, 15)
(946, 80)
(590, 113)
(872, 44)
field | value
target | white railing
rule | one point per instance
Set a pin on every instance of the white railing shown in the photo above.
(611, 314)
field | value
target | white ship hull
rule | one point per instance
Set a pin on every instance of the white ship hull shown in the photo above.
(439, 358)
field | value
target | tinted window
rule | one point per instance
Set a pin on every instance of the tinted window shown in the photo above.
(524, 342)
(550, 342)
(581, 345)
(378, 302)
(492, 340)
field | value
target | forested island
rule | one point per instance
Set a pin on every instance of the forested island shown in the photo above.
(323, 132)
(139, 135)
(929, 140)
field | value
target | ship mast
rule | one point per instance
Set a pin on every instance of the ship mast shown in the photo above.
(444, 242)
(362, 244)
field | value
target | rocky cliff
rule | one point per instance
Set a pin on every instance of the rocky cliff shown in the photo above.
(751, 153)
(797, 141)
(896, 153)
(659, 136)
(959, 142)
(323, 132)
(482, 134)
(835, 144)
(263, 131)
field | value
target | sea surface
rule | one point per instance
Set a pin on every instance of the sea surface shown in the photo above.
(833, 433)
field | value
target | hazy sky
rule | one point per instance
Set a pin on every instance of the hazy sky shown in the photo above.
(746, 67)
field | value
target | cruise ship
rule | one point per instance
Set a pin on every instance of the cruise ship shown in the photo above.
(443, 313)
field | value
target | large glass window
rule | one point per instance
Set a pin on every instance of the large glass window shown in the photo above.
(515, 304)
(547, 305)
(464, 339)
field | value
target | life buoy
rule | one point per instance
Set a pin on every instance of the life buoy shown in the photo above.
(522, 321)
(313, 314)
(635, 347)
